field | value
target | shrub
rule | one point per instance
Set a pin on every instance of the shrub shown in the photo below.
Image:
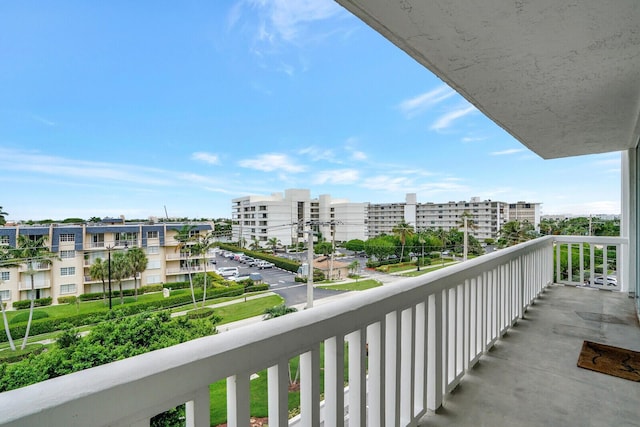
(24, 316)
(69, 299)
(39, 302)
(257, 288)
(200, 313)
(151, 288)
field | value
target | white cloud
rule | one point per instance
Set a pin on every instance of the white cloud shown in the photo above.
(507, 152)
(337, 176)
(272, 162)
(358, 155)
(472, 139)
(317, 154)
(413, 106)
(206, 157)
(446, 120)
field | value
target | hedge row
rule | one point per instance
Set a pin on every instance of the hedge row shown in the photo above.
(43, 326)
(39, 302)
(283, 263)
(115, 293)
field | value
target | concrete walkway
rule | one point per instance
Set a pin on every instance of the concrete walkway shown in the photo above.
(530, 377)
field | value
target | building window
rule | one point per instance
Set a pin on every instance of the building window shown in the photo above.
(67, 254)
(68, 271)
(5, 275)
(5, 294)
(153, 279)
(4, 240)
(69, 288)
(152, 250)
(152, 234)
(67, 237)
(152, 265)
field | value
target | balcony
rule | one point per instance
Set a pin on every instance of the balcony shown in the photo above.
(412, 348)
(185, 270)
(37, 284)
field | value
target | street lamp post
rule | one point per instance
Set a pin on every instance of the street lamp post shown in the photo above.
(109, 269)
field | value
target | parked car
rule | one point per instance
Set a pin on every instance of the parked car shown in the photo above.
(611, 281)
(264, 264)
(228, 271)
(247, 260)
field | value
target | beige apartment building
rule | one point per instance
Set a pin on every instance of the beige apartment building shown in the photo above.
(77, 247)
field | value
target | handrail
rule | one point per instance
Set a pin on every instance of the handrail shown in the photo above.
(420, 336)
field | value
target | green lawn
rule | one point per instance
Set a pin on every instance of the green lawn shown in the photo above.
(354, 286)
(245, 309)
(424, 270)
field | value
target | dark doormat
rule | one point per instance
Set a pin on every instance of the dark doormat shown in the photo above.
(610, 360)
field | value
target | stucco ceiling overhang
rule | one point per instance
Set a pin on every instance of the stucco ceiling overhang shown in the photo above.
(562, 77)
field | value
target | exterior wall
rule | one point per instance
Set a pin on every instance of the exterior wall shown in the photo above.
(79, 246)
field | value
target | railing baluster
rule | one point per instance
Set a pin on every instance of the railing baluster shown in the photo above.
(357, 378)
(435, 374)
(377, 364)
(197, 411)
(407, 364)
(334, 381)
(238, 400)
(310, 387)
(420, 385)
(392, 369)
(278, 390)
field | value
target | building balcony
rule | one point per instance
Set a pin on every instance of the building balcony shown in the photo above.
(491, 341)
(38, 284)
(185, 270)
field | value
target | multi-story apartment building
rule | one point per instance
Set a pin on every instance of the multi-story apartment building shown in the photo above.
(78, 246)
(525, 212)
(285, 217)
(487, 216)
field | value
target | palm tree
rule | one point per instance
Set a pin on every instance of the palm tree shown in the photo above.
(138, 260)
(6, 261)
(466, 221)
(120, 270)
(273, 243)
(32, 250)
(2, 214)
(255, 244)
(99, 270)
(185, 240)
(402, 230)
(277, 311)
(202, 246)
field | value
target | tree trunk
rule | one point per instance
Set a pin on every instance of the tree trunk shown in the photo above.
(33, 300)
(121, 295)
(193, 294)
(204, 286)
(6, 325)
(135, 285)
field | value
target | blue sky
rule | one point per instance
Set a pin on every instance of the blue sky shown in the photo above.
(123, 108)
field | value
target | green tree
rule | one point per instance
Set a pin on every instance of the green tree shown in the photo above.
(273, 243)
(3, 221)
(403, 230)
(185, 239)
(33, 252)
(138, 261)
(354, 266)
(99, 270)
(120, 270)
(324, 248)
(380, 247)
(514, 232)
(255, 244)
(355, 245)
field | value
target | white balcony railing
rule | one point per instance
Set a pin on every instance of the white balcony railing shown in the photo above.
(185, 270)
(596, 261)
(38, 284)
(409, 344)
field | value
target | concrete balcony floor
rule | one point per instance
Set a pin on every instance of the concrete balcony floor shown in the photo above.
(530, 377)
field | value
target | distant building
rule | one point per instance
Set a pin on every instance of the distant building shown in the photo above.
(77, 248)
(286, 216)
(525, 212)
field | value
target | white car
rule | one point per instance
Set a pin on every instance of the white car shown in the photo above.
(228, 271)
(264, 264)
(611, 281)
